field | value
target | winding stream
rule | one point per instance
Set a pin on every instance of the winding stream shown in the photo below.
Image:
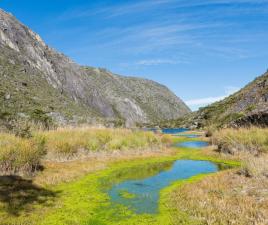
(142, 195)
(193, 144)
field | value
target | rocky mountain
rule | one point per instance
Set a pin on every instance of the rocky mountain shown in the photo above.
(247, 107)
(38, 83)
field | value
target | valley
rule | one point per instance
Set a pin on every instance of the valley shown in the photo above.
(81, 145)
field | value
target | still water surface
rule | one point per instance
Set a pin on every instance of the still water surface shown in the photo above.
(142, 195)
(193, 144)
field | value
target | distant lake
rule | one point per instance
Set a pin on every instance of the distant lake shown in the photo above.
(174, 130)
(168, 130)
(188, 135)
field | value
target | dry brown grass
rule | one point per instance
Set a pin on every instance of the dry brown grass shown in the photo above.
(19, 155)
(253, 140)
(72, 143)
(237, 197)
(225, 198)
(255, 166)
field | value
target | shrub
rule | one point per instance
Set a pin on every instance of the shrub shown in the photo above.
(41, 117)
(18, 155)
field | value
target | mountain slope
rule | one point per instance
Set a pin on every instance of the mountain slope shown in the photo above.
(37, 79)
(249, 106)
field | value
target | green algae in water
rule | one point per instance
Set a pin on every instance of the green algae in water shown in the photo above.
(145, 192)
(126, 194)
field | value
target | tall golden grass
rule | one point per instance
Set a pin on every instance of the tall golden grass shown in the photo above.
(224, 198)
(253, 140)
(250, 144)
(70, 141)
(19, 154)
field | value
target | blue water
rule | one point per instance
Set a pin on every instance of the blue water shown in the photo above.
(188, 135)
(145, 192)
(174, 130)
(193, 144)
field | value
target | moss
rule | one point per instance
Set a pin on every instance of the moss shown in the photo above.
(126, 194)
(86, 202)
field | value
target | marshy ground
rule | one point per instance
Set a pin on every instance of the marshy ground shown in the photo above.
(72, 189)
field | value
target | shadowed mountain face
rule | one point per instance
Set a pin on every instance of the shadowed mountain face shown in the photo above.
(36, 77)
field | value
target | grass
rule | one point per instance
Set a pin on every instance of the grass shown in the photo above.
(250, 144)
(229, 197)
(67, 143)
(74, 192)
(18, 155)
(85, 201)
(255, 166)
(253, 140)
(224, 198)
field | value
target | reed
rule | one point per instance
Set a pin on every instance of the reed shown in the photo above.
(71, 141)
(19, 154)
(253, 140)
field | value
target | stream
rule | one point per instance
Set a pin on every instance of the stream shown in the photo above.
(142, 195)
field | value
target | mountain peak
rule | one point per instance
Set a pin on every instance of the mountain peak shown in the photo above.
(74, 93)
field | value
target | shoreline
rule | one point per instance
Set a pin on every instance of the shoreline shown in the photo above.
(75, 185)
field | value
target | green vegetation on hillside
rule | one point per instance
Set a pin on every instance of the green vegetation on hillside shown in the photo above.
(29, 98)
(244, 108)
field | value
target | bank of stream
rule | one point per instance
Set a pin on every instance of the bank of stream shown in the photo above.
(128, 192)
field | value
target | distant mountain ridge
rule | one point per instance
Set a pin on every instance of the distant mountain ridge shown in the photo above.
(247, 107)
(37, 81)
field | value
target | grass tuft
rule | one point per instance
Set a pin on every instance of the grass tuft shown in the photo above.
(224, 198)
(18, 155)
(253, 140)
(69, 142)
(255, 166)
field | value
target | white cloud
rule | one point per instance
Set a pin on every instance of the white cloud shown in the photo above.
(208, 100)
(204, 101)
(115, 10)
(155, 62)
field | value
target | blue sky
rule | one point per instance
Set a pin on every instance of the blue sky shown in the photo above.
(202, 50)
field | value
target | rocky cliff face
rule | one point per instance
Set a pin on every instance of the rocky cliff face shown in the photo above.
(247, 107)
(36, 78)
